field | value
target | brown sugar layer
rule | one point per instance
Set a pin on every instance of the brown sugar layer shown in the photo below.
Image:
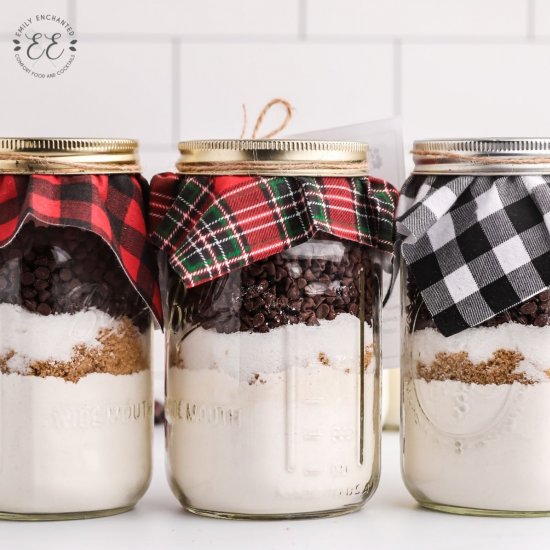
(121, 352)
(501, 368)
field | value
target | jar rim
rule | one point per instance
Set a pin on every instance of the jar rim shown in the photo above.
(273, 157)
(482, 156)
(62, 155)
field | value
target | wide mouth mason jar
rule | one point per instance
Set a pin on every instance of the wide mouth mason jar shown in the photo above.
(275, 250)
(77, 286)
(476, 347)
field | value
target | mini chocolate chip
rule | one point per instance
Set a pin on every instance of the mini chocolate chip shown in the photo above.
(65, 275)
(263, 285)
(28, 293)
(269, 268)
(255, 269)
(322, 311)
(541, 320)
(302, 283)
(30, 305)
(280, 274)
(41, 284)
(258, 302)
(312, 321)
(293, 292)
(305, 315)
(42, 273)
(528, 308)
(44, 296)
(259, 319)
(44, 309)
(27, 278)
(30, 256)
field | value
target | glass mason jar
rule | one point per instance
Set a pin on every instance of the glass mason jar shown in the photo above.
(75, 378)
(273, 385)
(476, 402)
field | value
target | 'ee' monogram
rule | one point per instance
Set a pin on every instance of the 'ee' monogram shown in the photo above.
(36, 49)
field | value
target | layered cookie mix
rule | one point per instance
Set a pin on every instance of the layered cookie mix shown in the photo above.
(74, 346)
(277, 342)
(475, 397)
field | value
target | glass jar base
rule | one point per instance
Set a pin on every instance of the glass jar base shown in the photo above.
(462, 511)
(64, 516)
(299, 515)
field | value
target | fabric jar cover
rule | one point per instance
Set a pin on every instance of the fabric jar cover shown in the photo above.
(211, 225)
(476, 245)
(111, 206)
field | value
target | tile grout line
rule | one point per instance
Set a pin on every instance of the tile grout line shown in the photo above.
(302, 19)
(530, 31)
(397, 77)
(71, 13)
(314, 39)
(176, 89)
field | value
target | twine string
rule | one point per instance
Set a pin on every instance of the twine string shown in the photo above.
(259, 121)
(245, 122)
(274, 167)
(48, 163)
(480, 159)
(263, 113)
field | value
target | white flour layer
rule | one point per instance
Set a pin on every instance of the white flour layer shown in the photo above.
(282, 442)
(67, 447)
(243, 354)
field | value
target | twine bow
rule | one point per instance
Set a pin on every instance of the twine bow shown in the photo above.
(259, 121)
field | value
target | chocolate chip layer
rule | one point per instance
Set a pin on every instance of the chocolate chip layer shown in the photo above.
(49, 270)
(284, 289)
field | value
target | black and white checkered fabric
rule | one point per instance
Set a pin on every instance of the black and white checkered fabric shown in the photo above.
(475, 245)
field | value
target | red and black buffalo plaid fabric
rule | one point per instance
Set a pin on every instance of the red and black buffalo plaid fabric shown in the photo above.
(211, 225)
(111, 206)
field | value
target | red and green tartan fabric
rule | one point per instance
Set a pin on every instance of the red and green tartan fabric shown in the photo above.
(211, 225)
(111, 206)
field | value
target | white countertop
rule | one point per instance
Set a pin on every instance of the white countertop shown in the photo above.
(390, 520)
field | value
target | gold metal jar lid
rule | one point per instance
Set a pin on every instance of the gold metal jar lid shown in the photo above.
(483, 156)
(272, 157)
(68, 155)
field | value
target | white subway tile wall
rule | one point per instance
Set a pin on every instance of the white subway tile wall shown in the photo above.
(163, 70)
